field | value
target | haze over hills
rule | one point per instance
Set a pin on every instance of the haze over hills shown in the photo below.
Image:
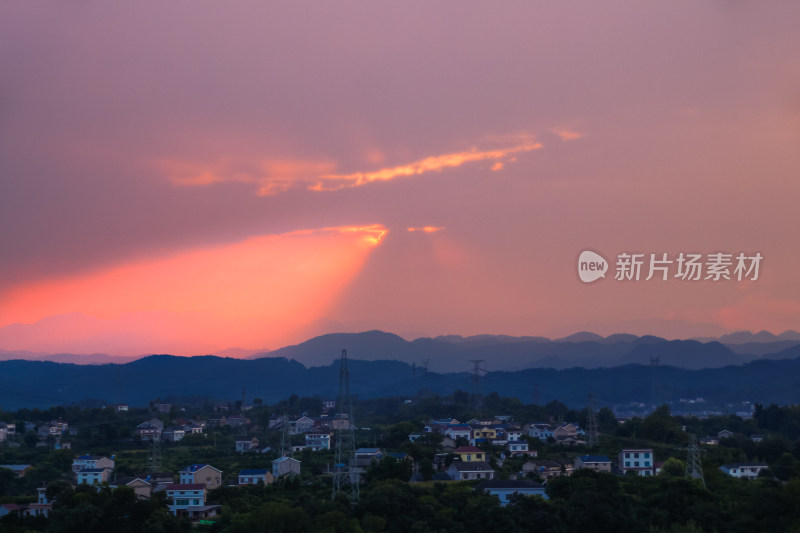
(615, 368)
(743, 337)
(454, 353)
(78, 359)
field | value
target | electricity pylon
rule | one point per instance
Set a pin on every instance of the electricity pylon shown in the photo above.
(591, 424)
(345, 468)
(694, 467)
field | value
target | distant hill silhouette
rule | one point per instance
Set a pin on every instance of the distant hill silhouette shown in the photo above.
(742, 337)
(79, 359)
(453, 353)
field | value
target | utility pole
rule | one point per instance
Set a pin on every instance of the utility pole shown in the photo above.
(345, 468)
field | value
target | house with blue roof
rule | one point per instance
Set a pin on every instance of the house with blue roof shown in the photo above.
(255, 476)
(599, 463)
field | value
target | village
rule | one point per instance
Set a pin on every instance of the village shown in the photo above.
(499, 455)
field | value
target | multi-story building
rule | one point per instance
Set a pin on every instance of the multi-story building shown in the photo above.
(318, 440)
(86, 462)
(640, 461)
(93, 476)
(189, 500)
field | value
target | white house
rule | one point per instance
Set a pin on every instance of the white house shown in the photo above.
(514, 435)
(246, 444)
(640, 461)
(193, 428)
(540, 431)
(93, 476)
(318, 440)
(464, 471)
(43, 505)
(457, 431)
(303, 424)
(743, 470)
(148, 431)
(85, 462)
(189, 499)
(519, 447)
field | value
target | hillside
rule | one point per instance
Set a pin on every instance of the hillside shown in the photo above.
(41, 384)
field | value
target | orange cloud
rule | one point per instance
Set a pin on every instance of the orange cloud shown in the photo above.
(426, 229)
(271, 176)
(274, 176)
(252, 293)
(332, 182)
(567, 134)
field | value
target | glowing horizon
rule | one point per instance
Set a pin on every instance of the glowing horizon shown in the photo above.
(208, 294)
(170, 184)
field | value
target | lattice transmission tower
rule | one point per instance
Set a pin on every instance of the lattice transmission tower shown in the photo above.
(154, 461)
(655, 382)
(286, 440)
(591, 424)
(345, 474)
(478, 367)
(694, 467)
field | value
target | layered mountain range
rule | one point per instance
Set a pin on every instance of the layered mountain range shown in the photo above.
(455, 353)
(617, 370)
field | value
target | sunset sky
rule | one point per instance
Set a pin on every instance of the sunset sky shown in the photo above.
(192, 176)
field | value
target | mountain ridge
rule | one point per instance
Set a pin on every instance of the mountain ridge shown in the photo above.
(30, 384)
